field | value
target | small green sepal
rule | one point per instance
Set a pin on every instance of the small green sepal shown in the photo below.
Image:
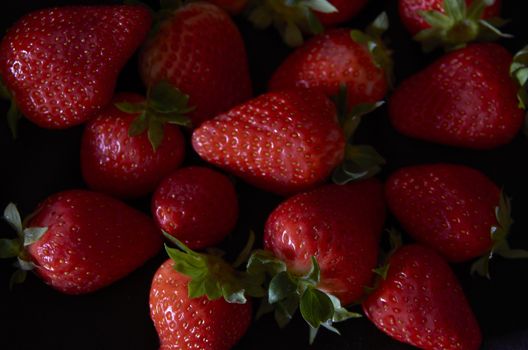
(519, 73)
(13, 113)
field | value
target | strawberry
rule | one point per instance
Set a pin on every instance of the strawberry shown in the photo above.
(451, 23)
(199, 50)
(186, 323)
(321, 248)
(197, 205)
(234, 7)
(117, 155)
(420, 302)
(339, 57)
(466, 99)
(60, 65)
(454, 209)
(292, 18)
(79, 241)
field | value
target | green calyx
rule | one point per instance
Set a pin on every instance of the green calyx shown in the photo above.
(288, 292)
(499, 236)
(360, 161)
(164, 104)
(458, 25)
(381, 272)
(519, 73)
(211, 276)
(372, 40)
(17, 247)
(290, 17)
(13, 113)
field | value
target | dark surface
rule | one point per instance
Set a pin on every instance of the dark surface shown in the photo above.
(42, 162)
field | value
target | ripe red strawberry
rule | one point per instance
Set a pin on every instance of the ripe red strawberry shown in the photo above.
(420, 302)
(197, 205)
(79, 241)
(185, 323)
(465, 99)
(234, 7)
(283, 142)
(120, 157)
(346, 10)
(335, 58)
(453, 209)
(61, 64)
(199, 50)
(321, 248)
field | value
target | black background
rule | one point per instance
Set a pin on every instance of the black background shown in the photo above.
(41, 162)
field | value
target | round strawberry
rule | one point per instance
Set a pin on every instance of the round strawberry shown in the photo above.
(199, 50)
(60, 65)
(197, 205)
(132, 144)
(420, 302)
(465, 99)
(79, 241)
(184, 323)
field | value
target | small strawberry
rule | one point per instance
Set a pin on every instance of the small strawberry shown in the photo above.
(293, 18)
(451, 23)
(420, 302)
(465, 99)
(287, 141)
(321, 248)
(130, 146)
(199, 50)
(197, 205)
(79, 241)
(60, 65)
(185, 323)
(340, 57)
(234, 7)
(453, 209)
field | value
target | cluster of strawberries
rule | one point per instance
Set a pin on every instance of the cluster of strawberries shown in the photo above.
(321, 245)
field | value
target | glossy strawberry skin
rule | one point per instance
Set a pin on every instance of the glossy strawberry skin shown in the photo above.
(410, 12)
(347, 9)
(183, 323)
(283, 142)
(126, 166)
(338, 225)
(92, 240)
(329, 60)
(61, 64)
(464, 99)
(450, 208)
(200, 51)
(421, 303)
(197, 205)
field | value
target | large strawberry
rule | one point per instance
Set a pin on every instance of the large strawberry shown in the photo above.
(420, 302)
(451, 23)
(60, 65)
(453, 209)
(185, 323)
(130, 146)
(339, 57)
(465, 99)
(199, 50)
(79, 241)
(197, 205)
(321, 248)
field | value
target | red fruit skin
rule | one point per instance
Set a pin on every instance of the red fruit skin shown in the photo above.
(421, 303)
(338, 225)
(412, 20)
(201, 52)
(464, 99)
(283, 142)
(329, 60)
(61, 64)
(197, 205)
(347, 9)
(450, 208)
(234, 7)
(184, 324)
(92, 241)
(126, 166)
